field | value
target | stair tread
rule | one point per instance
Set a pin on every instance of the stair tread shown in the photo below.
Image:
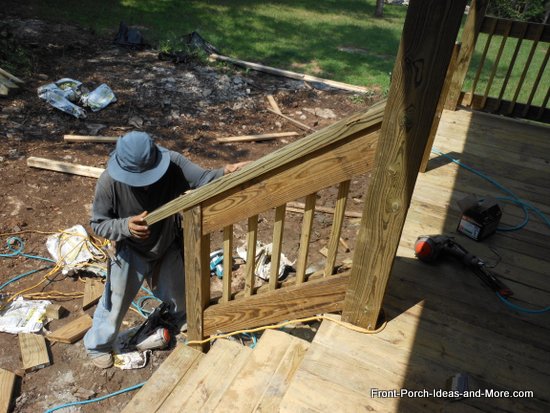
(260, 385)
(204, 386)
(180, 362)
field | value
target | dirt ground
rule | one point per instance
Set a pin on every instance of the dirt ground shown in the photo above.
(185, 107)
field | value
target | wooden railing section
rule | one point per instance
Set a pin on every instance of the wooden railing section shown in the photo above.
(532, 39)
(332, 156)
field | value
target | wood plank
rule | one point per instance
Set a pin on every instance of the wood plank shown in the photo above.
(215, 371)
(278, 231)
(55, 311)
(269, 368)
(93, 290)
(65, 167)
(287, 184)
(273, 104)
(292, 120)
(360, 123)
(522, 30)
(299, 207)
(10, 76)
(34, 352)
(73, 331)
(197, 273)
(307, 225)
(8, 83)
(313, 297)
(7, 385)
(289, 74)
(91, 139)
(150, 397)
(256, 138)
(336, 230)
(468, 43)
(399, 151)
(250, 270)
(492, 105)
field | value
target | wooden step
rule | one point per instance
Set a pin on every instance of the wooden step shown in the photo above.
(202, 390)
(260, 385)
(181, 362)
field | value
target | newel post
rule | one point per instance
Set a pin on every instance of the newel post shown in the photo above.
(429, 33)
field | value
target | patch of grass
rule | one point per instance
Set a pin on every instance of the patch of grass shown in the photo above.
(335, 39)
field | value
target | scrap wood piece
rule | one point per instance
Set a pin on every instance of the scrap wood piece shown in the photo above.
(72, 332)
(11, 77)
(297, 123)
(299, 208)
(254, 138)
(7, 385)
(34, 352)
(273, 104)
(93, 290)
(88, 138)
(55, 311)
(289, 74)
(65, 167)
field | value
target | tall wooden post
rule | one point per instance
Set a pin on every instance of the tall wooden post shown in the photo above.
(430, 30)
(467, 47)
(197, 272)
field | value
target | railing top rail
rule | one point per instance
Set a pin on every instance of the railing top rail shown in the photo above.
(518, 29)
(289, 153)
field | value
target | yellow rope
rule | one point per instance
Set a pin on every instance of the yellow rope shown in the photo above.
(298, 320)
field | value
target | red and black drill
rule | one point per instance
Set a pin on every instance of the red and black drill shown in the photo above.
(428, 248)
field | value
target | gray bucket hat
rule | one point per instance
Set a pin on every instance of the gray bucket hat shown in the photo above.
(137, 161)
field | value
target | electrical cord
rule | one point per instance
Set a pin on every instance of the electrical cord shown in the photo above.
(512, 198)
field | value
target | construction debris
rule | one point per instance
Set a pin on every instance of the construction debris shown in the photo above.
(88, 138)
(65, 167)
(254, 138)
(297, 123)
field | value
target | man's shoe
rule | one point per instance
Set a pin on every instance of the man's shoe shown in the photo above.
(103, 360)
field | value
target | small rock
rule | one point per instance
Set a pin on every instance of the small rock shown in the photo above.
(84, 393)
(325, 113)
(136, 121)
(94, 128)
(303, 117)
(43, 76)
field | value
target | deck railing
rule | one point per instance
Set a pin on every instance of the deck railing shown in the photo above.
(327, 158)
(523, 88)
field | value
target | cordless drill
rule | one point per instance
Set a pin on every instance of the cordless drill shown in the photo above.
(428, 248)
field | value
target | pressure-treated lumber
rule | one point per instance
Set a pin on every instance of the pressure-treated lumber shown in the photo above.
(65, 167)
(250, 269)
(93, 290)
(305, 235)
(34, 352)
(299, 207)
(10, 76)
(361, 123)
(468, 44)
(336, 229)
(88, 138)
(55, 311)
(417, 80)
(256, 138)
(227, 262)
(72, 332)
(179, 363)
(7, 384)
(278, 231)
(304, 300)
(297, 123)
(289, 74)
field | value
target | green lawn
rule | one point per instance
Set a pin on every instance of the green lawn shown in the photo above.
(335, 39)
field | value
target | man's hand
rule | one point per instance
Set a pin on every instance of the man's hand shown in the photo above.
(234, 167)
(138, 227)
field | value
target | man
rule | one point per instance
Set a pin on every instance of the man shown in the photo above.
(139, 178)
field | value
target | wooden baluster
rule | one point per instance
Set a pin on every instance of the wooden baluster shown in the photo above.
(197, 273)
(526, 69)
(511, 65)
(508, 27)
(307, 224)
(278, 229)
(251, 238)
(536, 84)
(227, 262)
(336, 229)
(482, 61)
(544, 103)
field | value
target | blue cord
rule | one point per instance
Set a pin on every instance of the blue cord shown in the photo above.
(98, 399)
(513, 198)
(11, 241)
(21, 276)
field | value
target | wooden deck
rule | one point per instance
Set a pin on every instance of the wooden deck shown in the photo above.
(441, 319)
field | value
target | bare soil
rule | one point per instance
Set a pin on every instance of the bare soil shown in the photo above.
(185, 107)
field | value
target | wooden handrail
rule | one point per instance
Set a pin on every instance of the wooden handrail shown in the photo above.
(323, 139)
